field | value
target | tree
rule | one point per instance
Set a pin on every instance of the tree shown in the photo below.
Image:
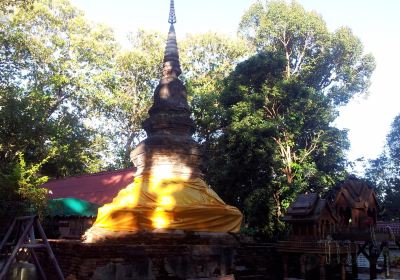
(385, 174)
(207, 60)
(8, 5)
(20, 191)
(275, 136)
(276, 140)
(332, 62)
(125, 107)
(52, 63)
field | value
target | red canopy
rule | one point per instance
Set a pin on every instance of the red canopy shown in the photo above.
(99, 188)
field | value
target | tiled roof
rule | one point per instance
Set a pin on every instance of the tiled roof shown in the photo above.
(307, 207)
(99, 188)
(303, 204)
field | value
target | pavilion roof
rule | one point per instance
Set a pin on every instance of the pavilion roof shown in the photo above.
(308, 207)
(303, 205)
(357, 193)
(99, 188)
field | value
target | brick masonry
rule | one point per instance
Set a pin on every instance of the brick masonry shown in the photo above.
(166, 256)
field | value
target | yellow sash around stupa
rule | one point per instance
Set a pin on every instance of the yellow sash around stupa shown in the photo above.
(184, 204)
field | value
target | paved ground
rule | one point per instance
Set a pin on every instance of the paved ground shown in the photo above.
(394, 274)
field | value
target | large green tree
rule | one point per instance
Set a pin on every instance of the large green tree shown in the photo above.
(332, 62)
(276, 140)
(52, 63)
(76, 68)
(274, 136)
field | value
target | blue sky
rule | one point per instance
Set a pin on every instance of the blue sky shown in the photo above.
(376, 23)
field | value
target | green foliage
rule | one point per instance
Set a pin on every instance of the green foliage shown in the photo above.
(393, 142)
(384, 172)
(52, 63)
(66, 84)
(29, 183)
(7, 6)
(207, 59)
(20, 192)
(272, 130)
(276, 140)
(332, 62)
(125, 107)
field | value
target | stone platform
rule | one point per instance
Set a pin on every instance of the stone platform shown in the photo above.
(175, 255)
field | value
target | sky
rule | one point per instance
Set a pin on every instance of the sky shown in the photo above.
(376, 23)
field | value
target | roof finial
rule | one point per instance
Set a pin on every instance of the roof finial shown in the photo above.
(172, 16)
(171, 66)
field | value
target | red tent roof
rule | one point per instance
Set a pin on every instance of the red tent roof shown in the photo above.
(98, 188)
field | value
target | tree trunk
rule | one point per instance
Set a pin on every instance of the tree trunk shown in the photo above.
(287, 65)
(128, 146)
(278, 211)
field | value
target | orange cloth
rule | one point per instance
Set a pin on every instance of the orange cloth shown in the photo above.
(185, 204)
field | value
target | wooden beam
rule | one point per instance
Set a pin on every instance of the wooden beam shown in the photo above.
(26, 239)
(361, 249)
(6, 267)
(37, 263)
(49, 250)
(9, 231)
(354, 266)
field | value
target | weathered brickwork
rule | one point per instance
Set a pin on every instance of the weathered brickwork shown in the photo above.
(150, 256)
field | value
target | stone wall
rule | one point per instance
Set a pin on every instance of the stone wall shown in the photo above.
(163, 257)
(257, 261)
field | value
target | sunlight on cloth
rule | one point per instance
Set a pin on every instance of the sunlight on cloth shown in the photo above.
(174, 203)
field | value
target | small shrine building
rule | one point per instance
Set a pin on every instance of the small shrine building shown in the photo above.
(311, 217)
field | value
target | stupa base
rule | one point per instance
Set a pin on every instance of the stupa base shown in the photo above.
(171, 203)
(104, 236)
(149, 255)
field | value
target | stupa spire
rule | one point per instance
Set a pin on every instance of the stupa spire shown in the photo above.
(171, 65)
(172, 15)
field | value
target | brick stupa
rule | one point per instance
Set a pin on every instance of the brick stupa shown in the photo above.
(168, 192)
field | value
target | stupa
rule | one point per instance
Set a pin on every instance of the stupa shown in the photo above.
(168, 192)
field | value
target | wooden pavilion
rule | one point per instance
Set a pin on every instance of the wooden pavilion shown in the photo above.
(311, 218)
(356, 205)
(335, 233)
(313, 223)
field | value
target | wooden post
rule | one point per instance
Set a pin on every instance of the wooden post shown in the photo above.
(49, 250)
(354, 266)
(285, 266)
(386, 265)
(343, 259)
(303, 266)
(372, 266)
(322, 273)
(37, 263)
